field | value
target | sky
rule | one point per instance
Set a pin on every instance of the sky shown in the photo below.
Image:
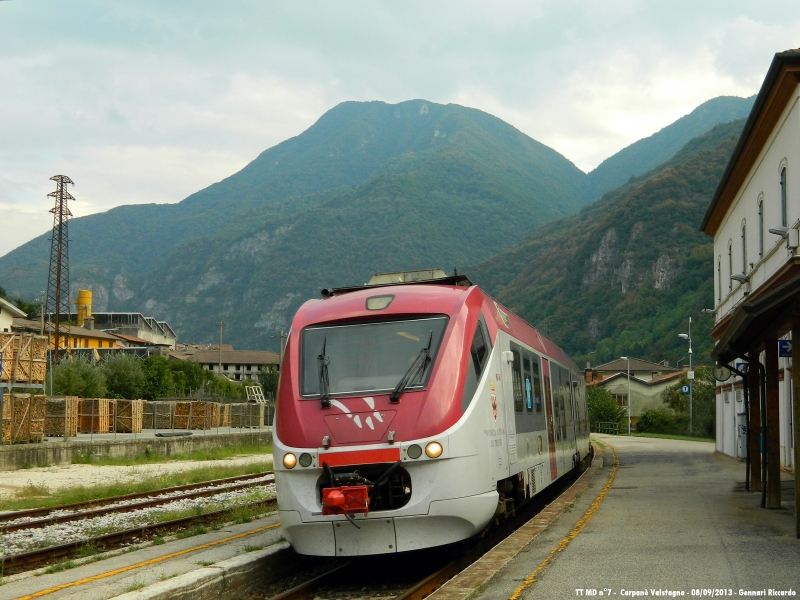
(149, 101)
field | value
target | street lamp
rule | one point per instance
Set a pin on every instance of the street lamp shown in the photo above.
(629, 391)
(690, 375)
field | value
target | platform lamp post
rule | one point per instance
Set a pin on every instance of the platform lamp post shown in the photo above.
(629, 391)
(690, 375)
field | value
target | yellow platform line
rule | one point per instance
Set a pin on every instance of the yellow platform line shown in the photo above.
(531, 579)
(145, 563)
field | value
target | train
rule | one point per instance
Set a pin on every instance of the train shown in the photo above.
(412, 412)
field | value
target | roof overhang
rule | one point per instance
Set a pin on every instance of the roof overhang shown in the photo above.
(775, 93)
(13, 310)
(752, 323)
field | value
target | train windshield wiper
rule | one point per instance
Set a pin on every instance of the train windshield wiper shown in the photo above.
(324, 384)
(416, 369)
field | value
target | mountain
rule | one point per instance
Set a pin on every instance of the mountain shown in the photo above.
(622, 276)
(369, 187)
(648, 153)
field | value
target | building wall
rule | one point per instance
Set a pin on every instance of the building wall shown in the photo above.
(764, 179)
(6, 319)
(642, 396)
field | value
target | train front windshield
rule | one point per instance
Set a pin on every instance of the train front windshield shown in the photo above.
(370, 357)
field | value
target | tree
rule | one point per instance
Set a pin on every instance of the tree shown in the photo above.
(188, 377)
(157, 378)
(703, 402)
(75, 377)
(602, 406)
(124, 376)
(268, 378)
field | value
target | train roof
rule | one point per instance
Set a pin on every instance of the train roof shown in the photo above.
(436, 296)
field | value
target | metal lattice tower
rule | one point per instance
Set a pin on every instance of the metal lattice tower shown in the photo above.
(58, 278)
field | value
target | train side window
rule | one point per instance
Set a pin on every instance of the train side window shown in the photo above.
(526, 364)
(537, 386)
(479, 350)
(516, 377)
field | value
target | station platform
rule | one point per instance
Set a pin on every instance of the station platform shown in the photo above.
(675, 522)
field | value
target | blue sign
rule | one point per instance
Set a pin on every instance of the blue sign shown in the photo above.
(684, 389)
(785, 348)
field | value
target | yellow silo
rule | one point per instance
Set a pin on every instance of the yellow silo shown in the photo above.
(84, 304)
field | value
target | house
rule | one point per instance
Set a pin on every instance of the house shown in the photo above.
(754, 217)
(9, 312)
(238, 365)
(647, 382)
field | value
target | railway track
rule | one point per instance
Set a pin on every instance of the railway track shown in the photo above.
(40, 518)
(439, 566)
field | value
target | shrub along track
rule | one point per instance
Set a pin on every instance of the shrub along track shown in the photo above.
(44, 517)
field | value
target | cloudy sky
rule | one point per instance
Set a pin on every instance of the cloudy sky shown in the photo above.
(150, 100)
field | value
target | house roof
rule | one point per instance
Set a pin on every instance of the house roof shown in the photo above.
(664, 379)
(76, 331)
(775, 93)
(246, 357)
(637, 364)
(15, 312)
(133, 339)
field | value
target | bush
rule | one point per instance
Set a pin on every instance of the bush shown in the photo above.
(75, 377)
(602, 406)
(658, 420)
(124, 376)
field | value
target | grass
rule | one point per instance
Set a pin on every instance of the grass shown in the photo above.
(86, 550)
(164, 576)
(250, 548)
(134, 586)
(62, 566)
(149, 457)
(40, 496)
(669, 436)
(158, 541)
(196, 530)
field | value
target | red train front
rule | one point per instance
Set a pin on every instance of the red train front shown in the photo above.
(407, 417)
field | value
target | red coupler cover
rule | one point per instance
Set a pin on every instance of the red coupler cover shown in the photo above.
(345, 499)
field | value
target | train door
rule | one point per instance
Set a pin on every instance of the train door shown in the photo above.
(573, 401)
(548, 401)
(511, 408)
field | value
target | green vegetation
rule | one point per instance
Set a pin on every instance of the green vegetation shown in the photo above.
(622, 276)
(62, 566)
(25, 499)
(648, 153)
(145, 458)
(29, 308)
(134, 586)
(126, 376)
(603, 408)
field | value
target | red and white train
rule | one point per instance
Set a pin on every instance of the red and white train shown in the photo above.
(410, 415)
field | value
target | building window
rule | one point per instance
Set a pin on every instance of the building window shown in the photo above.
(730, 266)
(622, 399)
(761, 226)
(744, 248)
(784, 219)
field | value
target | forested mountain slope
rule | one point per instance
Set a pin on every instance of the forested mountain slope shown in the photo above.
(648, 153)
(622, 276)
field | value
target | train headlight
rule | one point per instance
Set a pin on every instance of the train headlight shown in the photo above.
(305, 459)
(434, 450)
(414, 451)
(289, 460)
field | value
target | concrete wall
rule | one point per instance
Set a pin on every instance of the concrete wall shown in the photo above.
(62, 453)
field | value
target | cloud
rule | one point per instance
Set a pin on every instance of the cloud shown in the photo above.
(151, 101)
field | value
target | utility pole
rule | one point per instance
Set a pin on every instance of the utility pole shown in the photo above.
(690, 375)
(221, 324)
(41, 308)
(282, 337)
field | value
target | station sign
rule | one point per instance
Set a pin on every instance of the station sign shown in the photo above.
(785, 348)
(685, 389)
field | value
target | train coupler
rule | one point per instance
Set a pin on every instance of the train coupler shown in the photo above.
(345, 500)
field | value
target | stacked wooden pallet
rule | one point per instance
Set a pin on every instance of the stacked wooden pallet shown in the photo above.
(22, 420)
(61, 416)
(194, 415)
(157, 415)
(128, 416)
(94, 415)
(247, 415)
(224, 415)
(24, 358)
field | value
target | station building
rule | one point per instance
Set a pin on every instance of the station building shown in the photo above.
(754, 218)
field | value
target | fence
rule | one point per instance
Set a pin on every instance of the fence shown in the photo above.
(609, 428)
